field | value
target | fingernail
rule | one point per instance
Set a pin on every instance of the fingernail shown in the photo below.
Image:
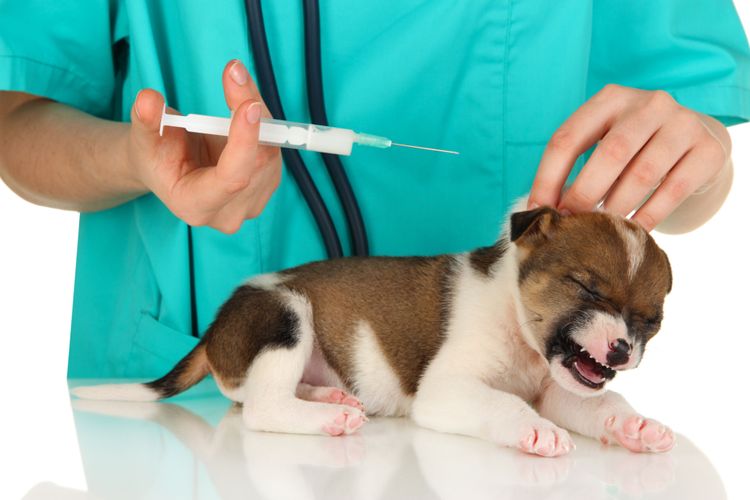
(533, 205)
(565, 211)
(238, 73)
(137, 112)
(253, 113)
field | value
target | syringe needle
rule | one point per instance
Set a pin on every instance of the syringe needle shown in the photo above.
(426, 149)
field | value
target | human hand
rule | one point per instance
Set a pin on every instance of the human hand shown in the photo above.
(207, 180)
(650, 148)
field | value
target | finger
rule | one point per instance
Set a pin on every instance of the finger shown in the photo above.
(145, 115)
(213, 187)
(239, 86)
(685, 178)
(577, 134)
(616, 149)
(238, 158)
(648, 168)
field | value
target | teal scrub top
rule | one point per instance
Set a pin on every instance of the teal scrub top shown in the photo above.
(490, 78)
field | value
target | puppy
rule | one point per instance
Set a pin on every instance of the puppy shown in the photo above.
(512, 343)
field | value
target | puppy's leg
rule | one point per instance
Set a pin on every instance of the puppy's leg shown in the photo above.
(270, 401)
(469, 406)
(608, 418)
(327, 395)
(271, 404)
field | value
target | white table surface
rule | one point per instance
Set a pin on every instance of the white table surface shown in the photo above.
(196, 448)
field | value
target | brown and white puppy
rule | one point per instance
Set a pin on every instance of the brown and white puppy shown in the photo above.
(510, 343)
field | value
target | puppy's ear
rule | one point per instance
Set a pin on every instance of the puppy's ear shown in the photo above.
(533, 224)
(669, 270)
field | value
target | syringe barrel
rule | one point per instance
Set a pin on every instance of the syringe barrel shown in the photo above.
(279, 133)
(306, 136)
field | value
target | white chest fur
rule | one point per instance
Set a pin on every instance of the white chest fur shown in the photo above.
(484, 340)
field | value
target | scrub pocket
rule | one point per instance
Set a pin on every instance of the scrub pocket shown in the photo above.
(156, 348)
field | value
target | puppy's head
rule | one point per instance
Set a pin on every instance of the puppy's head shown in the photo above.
(592, 287)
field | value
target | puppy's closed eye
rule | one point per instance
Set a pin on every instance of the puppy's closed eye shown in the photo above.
(590, 291)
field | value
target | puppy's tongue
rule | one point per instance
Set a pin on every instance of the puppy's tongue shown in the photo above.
(589, 371)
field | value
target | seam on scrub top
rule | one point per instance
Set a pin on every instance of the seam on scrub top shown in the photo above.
(154, 352)
(82, 82)
(504, 111)
(141, 313)
(132, 345)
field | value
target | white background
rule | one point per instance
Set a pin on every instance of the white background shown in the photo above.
(694, 376)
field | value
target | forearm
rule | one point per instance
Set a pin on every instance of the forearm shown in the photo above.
(56, 156)
(703, 204)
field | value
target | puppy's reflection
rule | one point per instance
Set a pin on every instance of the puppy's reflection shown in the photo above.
(200, 449)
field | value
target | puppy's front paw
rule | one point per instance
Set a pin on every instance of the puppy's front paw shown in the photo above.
(638, 434)
(542, 437)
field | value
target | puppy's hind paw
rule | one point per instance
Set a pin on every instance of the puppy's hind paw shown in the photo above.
(542, 437)
(639, 434)
(337, 396)
(332, 395)
(346, 422)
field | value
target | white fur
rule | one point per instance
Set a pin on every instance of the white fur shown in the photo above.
(581, 414)
(473, 385)
(116, 392)
(635, 245)
(374, 379)
(268, 281)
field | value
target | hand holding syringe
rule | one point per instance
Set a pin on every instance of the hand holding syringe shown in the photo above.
(210, 180)
(286, 134)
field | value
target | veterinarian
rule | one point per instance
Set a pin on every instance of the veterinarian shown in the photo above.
(494, 80)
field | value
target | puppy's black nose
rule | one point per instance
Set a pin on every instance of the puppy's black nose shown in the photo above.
(619, 352)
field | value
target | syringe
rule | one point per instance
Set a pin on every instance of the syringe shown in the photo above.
(284, 134)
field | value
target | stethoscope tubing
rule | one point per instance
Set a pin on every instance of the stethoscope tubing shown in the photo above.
(269, 90)
(292, 159)
(316, 104)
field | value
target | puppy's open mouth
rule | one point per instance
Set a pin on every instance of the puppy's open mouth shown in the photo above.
(584, 368)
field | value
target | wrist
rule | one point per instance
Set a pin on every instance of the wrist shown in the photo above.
(134, 180)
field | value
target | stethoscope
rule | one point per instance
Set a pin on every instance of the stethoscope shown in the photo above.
(292, 159)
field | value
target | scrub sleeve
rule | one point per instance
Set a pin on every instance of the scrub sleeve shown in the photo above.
(61, 50)
(694, 49)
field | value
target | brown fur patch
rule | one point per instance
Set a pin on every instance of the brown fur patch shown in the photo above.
(250, 321)
(482, 259)
(403, 300)
(186, 373)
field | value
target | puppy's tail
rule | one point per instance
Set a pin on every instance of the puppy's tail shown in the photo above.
(189, 371)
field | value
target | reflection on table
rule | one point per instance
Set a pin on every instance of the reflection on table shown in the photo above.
(198, 448)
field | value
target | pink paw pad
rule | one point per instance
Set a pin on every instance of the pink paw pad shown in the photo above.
(337, 396)
(345, 423)
(546, 441)
(640, 434)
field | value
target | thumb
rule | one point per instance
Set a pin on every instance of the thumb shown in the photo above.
(145, 115)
